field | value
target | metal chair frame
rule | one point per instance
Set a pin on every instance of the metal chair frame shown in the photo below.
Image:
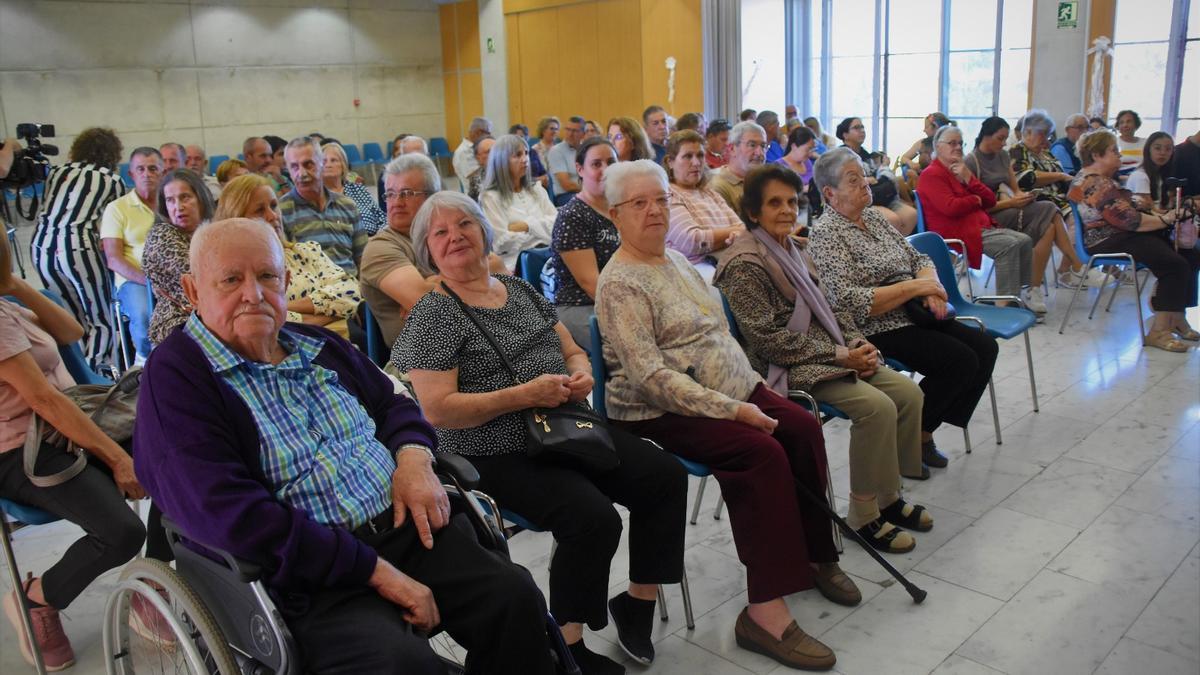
(1119, 260)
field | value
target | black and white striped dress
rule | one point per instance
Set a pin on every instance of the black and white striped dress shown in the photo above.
(67, 253)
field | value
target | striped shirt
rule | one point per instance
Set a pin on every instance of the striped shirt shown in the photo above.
(335, 228)
(371, 217)
(319, 450)
(76, 194)
(695, 213)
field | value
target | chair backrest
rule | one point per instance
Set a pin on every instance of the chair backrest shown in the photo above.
(920, 212)
(1079, 249)
(150, 299)
(932, 245)
(438, 147)
(125, 175)
(352, 153)
(72, 355)
(377, 349)
(530, 263)
(215, 161)
(372, 152)
(599, 368)
(733, 327)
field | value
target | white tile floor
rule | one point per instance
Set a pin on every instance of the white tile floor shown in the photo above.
(1071, 548)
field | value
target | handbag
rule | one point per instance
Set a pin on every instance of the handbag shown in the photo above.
(570, 436)
(111, 407)
(915, 308)
(883, 192)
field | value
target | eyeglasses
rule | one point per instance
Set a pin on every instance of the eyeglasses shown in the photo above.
(755, 145)
(953, 144)
(642, 203)
(857, 126)
(404, 195)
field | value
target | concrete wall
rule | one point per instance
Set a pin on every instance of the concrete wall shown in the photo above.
(1059, 61)
(216, 71)
(494, 64)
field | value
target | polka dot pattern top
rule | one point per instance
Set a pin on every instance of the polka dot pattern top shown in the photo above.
(580, 227)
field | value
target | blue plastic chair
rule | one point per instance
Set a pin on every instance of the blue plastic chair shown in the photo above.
(377, 349)
(439, 150)
(373, 152)
(352, 153)
(920, 212)
(1121, 261)
(529, 267)
(30, 516)
(126, 177)
(216, 161)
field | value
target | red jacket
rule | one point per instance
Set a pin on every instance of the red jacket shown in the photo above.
(954, 210)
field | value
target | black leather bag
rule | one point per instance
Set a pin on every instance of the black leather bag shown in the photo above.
(883, 192)
(915, 308)
(570, 435)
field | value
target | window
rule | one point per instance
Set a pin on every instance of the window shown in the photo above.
(763, 69)
(1156, 48)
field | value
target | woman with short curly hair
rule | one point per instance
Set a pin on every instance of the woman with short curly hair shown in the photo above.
(66, 241)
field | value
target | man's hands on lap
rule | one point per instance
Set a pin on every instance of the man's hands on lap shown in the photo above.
(416, 490)
(415, 598)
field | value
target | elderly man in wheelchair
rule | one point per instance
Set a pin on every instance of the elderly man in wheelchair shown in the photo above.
(285, 447)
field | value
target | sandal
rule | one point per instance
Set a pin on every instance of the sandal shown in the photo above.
(1185, 332)
(895, 513)
(886, 537)
(1165, 341)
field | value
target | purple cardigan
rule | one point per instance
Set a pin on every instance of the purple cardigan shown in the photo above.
(196, 452)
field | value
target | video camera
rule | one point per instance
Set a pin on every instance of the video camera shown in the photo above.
(30, 164)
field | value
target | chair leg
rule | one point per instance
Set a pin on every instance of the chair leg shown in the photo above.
(837, 532)
(1032, 378)
(1100, 293)
(995, 411)
(967, 439)
(720, 507)
(15, 575)
(699, 496)
(1074, 294)
(687, 600)
(1137, 287)
(1120, 283)
(662, 604)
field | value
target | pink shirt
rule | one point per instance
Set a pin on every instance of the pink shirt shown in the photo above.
(695, 213)
(18, 333)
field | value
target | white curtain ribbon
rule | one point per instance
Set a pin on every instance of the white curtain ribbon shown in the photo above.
(1101, 48)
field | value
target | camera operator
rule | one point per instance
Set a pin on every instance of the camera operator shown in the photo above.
(66, 242)
(7, 150)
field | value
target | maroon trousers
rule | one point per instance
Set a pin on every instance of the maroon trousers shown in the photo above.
(777, 532)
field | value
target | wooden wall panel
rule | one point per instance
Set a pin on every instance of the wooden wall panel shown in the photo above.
(512, 33)
(540, 56)
(449, 42)
(672, 28)
(461, 79)
(466, 15)
(579, 61)
(1102, 17)
(471, 87)
(619, 82)
(454, 126)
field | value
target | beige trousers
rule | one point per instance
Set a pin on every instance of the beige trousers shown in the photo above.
(885, 428)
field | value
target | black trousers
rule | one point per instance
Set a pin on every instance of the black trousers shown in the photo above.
(1175, 270)
(578, 510)
(113, 533)
(488, 604)
(956, 360)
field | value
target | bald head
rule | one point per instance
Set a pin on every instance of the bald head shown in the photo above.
(210, 242)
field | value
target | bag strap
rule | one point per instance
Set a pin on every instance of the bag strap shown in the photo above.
(487, 334)
(33, 445)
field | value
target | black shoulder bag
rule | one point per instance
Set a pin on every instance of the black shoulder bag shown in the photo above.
(570, 436)
(915, 308)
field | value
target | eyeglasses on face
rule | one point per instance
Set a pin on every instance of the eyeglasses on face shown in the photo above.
(404, 195)
(640, 204)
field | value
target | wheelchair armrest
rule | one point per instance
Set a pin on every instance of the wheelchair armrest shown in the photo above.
(459, 468)
(246, 571)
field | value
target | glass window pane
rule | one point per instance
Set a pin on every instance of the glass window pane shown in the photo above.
(1014, 81)
(912, 85)
(852, 28)
(914, 26)
(1018, 24)
(1137, 79)
(850, 87)
(972, 24)
(902, 132)
(1185, 128)
(1141, 20)
(1189, 95)
(1194, 21)
(970, 129)
(970, 76)
(814, 67)
(763, 70)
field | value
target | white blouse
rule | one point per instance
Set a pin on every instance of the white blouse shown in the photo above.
(531, 206)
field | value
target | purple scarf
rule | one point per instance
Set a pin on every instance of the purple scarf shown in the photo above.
(810, 301)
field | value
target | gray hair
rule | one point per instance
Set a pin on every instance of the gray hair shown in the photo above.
(413, 162)
(828, 169)
(768, 117)
(307, 142)
(1038, 120)
(337, 149)
(480, 124)
(1077, 117)
(498, 177)
(617, 175)
(418, 139)
(741, 128)
(942, 131)
(445, 200)
(193, 180)
(206, 237)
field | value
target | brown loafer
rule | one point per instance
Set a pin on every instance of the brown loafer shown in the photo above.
(797, 649)
(836, 585)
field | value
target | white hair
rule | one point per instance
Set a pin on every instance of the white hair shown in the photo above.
(827, 172)
(445, 200)
(942, 131)
(741, 128)
(413, 162)
(205, 240)
(617, 175)
(410, 139)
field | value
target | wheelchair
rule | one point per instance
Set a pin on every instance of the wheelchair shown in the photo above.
(223, 619)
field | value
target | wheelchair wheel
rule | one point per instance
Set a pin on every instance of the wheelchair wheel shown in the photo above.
(184, 639)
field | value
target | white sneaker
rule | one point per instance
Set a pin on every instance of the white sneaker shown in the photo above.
(1035, 300)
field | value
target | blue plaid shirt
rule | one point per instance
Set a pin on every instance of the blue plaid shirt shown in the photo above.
(319, 450)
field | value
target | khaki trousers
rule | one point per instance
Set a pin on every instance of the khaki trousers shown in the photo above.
(885, 427)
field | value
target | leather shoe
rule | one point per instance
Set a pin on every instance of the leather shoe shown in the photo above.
(836, 585)
(931, 456)
(924, 473)
(797, 649)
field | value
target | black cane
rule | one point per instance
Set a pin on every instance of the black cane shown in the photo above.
(918, 594)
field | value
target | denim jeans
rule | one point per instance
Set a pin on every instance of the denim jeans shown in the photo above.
(135, 304)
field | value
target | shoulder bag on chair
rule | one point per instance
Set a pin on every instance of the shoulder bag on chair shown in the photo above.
(915, 308)
(112, 409)
(570, 436)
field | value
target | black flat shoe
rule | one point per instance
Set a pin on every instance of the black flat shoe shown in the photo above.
(634, 620)
(924, 473)
(931, 457)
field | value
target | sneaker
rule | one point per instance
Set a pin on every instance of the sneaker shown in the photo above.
(146, 621)
(47, 631)
(931, 456)
(1035, 300)
(634, 620)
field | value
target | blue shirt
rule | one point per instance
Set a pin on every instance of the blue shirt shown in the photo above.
(774, 152)
(1064, 151)
(319, 450)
